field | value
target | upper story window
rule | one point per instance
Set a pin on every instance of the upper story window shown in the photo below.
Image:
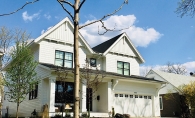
(123, 68)
(92, 62)
(64, 59)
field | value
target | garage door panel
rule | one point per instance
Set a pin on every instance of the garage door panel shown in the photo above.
(138, 105)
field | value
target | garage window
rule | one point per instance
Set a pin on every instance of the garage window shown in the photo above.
(145, 97)
(121, 95)
(131, 96)
(140, 96)
(126, 95)
(116, 95)
(149, 97)
(136, 96)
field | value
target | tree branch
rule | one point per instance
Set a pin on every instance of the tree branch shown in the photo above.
(107, 29)
(66, 2)
(66, 9)
(101, 20)
(186, 7)
(19, 8)
(81, 5)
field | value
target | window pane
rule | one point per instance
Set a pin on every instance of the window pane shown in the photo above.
(59, 62)
(68, 56)
(68, 64)
(126, 65)
(126, 72)
(120, 64)
(60, 88)
(59, 54)
(120, 71)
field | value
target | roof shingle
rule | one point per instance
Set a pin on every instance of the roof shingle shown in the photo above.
(101, 48)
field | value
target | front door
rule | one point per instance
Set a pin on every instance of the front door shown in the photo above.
(89, 99)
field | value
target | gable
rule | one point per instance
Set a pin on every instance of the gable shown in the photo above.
(63, 33)
(123, 47)
(128, 50)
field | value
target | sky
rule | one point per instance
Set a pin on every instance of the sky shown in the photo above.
(159, 34)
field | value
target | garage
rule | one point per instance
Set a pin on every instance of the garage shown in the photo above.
(133, 104)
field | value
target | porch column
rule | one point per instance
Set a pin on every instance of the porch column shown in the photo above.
(52, 95)
(83, 96)
(156, 106)
(110, 97)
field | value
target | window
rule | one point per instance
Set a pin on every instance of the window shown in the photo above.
(92, 62)
(161, 102)
(33, 91)
(145, 97)
(149, 97)
(136, 96)
(123, 68)
(116, 95)
(140, 96)
(64, 59)
(126, 95)
(131, 96)
(121, 95)
(64, 92)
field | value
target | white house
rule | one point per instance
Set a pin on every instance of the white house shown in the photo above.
(122, 88)
(170, 108)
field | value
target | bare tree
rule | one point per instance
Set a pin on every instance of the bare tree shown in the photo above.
(92, 79)
(174, 68)
(63, 94)
(186, 7)
(76, 6)
(14, 11)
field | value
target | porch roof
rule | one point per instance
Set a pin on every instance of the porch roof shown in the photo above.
(53, 67)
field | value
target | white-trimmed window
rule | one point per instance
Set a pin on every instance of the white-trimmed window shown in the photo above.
(123, 68)
(161, 102)
(64, 59)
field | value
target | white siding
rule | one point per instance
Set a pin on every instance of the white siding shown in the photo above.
(63, 33)
(123, 47)
(35, 52)
(111, 63)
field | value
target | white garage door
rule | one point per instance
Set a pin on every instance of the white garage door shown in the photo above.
(135, 105)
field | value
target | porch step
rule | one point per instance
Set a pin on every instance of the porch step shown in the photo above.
(98, 114)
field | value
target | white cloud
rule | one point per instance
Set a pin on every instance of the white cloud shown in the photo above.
(43, 31)
(27, 17)
(47, 16)
(139, 36)
(190, 67)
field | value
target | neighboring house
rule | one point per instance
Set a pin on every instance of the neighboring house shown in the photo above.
(122, 88)
(170, 107)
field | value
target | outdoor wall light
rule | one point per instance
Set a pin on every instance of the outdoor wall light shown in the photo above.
(98, 97)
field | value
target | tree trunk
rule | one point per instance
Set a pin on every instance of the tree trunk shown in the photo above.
(76, 60)
(16, 110)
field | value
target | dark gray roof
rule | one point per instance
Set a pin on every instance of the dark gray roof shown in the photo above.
(101, 48)
(53, 67)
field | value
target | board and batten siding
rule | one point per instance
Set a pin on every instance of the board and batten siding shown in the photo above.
(123, 47)
(111, 63)
(63, 33)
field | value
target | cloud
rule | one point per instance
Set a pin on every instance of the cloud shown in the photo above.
(139, 36)
(27, 17)
(43, 31)
(190, 67)
(47, 16)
